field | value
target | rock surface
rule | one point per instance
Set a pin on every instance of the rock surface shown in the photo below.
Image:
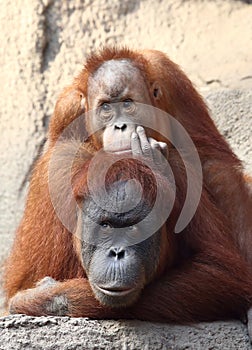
(51, 333)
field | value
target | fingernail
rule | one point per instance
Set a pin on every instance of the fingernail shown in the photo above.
(134, 135)
(162, 144)
(140, 129)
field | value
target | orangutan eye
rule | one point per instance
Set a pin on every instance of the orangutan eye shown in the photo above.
(127, 104)
(106, 107)
(132, 230)
(105, 225)
(106, 111)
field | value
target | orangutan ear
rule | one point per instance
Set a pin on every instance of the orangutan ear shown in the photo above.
(156, 91)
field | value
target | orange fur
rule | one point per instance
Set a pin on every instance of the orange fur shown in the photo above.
(210, 276)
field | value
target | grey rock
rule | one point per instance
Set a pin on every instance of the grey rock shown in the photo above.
(51, 333)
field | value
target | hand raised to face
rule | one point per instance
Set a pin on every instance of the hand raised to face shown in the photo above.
(151, 150)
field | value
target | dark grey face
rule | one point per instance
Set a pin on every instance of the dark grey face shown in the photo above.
(117, 268)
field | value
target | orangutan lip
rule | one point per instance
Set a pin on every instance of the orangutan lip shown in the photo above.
(114, 291)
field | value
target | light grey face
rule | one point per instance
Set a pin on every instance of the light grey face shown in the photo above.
(114, 92)
(118, 271)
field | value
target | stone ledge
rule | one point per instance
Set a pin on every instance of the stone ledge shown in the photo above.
(51, 333)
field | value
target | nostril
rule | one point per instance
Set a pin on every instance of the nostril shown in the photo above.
(121, 126)
(117, 253)
(121, 254)
(112, 253)
(124, 126)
